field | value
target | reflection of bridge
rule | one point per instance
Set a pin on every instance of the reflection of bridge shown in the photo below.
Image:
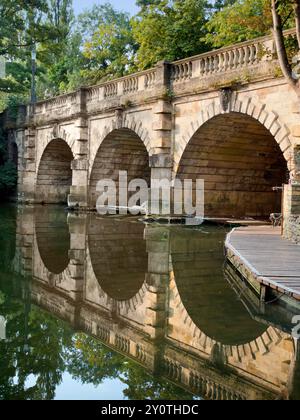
(151, 317)
(224, 116)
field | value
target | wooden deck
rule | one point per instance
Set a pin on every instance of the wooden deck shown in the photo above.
(264, 255)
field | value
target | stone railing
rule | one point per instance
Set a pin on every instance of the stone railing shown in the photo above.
(211, 390)
(240, 56)
(218, 63)
(59, 102)
(126, 85)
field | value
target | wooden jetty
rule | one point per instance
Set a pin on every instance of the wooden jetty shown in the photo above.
(265, 259)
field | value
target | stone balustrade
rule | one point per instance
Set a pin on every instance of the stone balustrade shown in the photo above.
(203, 69)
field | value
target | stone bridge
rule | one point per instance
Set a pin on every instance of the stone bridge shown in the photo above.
(227, 117)
(129, 286)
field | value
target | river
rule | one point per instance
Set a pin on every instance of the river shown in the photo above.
(111, 308)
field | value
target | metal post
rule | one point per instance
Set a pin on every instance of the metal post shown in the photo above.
(33, 73)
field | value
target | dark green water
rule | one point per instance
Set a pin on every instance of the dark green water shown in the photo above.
(109, 308)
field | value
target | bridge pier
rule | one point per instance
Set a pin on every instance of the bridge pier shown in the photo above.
(291, 211)
(27, 167)
(78, 196)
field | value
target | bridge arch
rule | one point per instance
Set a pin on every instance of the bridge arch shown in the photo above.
(121, 149)
(54, 175)
(241, 154)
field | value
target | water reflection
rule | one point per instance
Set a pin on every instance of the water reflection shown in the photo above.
(118, 256)
(53, 247)
(152, 307)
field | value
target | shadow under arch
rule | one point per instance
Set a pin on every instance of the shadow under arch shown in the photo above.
(53, 238)
(240, 162)
(54, 177)
(206, 296)
(121, 150)
(118, 256)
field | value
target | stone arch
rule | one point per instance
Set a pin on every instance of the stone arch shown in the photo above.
(268, 118)
(124, 146)
(122, 120)
(54, 175)
(241, 154)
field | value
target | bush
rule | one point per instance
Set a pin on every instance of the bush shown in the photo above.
(8, 178)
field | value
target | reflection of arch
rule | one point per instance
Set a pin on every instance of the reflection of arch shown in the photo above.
(121, 150)
(205, 296)
(119, 258)
(192, 254)
(237, 156)
(235, 354)
(54, 177)
(53, 239)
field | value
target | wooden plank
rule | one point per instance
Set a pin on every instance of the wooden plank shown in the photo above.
(272, 259)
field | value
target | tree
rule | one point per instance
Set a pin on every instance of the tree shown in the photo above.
(239, 21)
(57, 51)
(108, 43)
(281, 11)
(169, 30)
(20, 22)
(91, 362)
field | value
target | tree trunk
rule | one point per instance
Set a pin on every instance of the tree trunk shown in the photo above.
(297, 19)
(280, 46)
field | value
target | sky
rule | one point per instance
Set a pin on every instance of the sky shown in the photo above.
(126, 5)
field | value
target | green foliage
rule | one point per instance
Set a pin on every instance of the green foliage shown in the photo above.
(8, 177)
(169, 30)
(243, 20)
(8, 171)
(108, 44)
(103, 43)
(91, 362)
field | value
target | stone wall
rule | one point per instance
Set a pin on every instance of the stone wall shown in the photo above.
(293, 229)
(292, 213)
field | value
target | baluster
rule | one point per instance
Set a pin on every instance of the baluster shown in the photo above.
(247, 55)
(226, 61)
(257, 48)
(221, 62)
(180, 72)
(187, 70)
(242, 57)
(208, 65)
(202, 67)
(252, 53)
(236, 58)
(231, 59)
